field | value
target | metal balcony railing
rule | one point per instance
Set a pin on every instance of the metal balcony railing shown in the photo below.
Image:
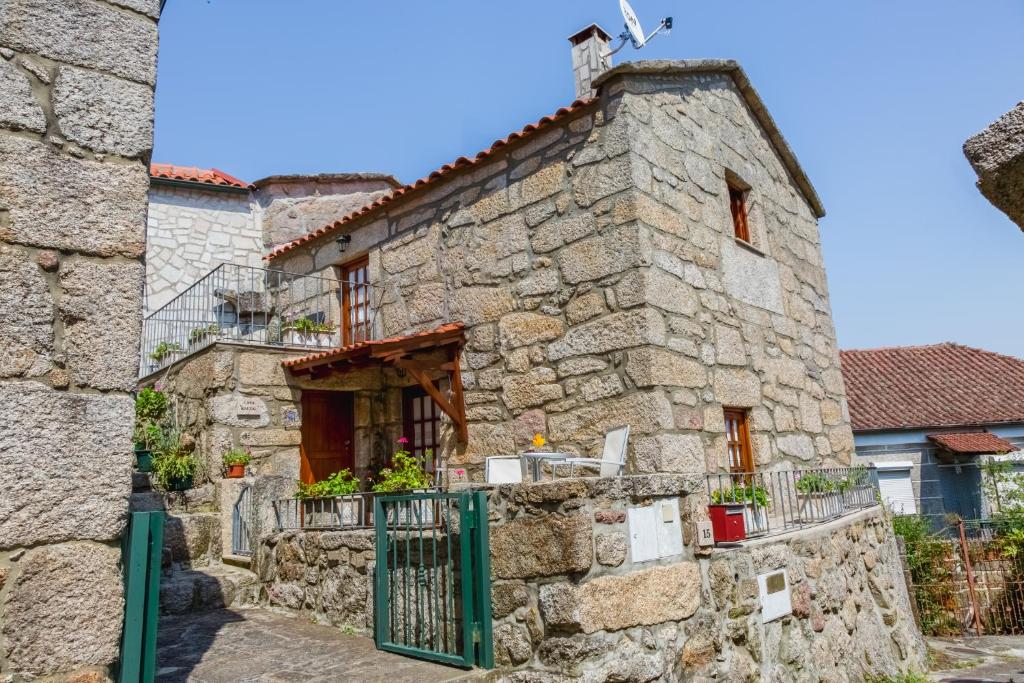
(248, 305)
(776, 502)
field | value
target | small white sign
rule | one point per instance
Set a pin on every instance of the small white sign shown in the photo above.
(776, 600)
(248, 406)
(655, 530)
(705, 534)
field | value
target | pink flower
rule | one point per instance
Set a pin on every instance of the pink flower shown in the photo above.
(403, 440)
(459, 472)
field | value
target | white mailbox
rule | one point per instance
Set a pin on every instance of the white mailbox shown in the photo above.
(655, 530)
(775, 597)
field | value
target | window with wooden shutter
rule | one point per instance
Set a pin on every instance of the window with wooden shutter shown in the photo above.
(737, 431)
(422, 425)
(738, 207)
(355, 302)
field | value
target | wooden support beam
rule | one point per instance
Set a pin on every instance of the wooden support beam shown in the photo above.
(457, 416)
(460, 403)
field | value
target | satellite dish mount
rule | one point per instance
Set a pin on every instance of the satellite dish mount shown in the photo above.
(634, 32)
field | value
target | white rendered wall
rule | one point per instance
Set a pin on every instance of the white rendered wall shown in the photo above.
(190, 232)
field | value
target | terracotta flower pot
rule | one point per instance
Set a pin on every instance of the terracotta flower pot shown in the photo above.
(235, 471)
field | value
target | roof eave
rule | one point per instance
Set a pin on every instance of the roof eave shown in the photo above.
(196, 185)
(750, 95)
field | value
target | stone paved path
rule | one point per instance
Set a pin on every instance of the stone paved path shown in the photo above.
(995, 659)
(231, 645)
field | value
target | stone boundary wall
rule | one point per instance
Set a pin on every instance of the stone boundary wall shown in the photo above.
(569, 603)
(324, 575)
(76, 129)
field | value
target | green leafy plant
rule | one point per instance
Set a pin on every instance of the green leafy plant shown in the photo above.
(164, 349)
(303, 325)
(174, 465)
(150, 415)
(327, 327)
(405, 473)
(341, 483)
(198, 334)
(738, 493)
(909, 677)
(815, 482)
(236, 456)
(855, 477)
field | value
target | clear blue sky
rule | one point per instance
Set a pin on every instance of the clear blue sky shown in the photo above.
(875, 97)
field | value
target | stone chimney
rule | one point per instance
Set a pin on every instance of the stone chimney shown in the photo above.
(591, 55)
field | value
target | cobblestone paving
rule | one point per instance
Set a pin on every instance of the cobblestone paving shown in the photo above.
(995, 659)
(256, 645)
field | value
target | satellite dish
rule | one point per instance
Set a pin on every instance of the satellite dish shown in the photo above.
(634, 32)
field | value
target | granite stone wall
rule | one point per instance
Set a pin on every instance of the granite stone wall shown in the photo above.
(571, 604)
(76, 83)
(595, 267)
(191, 231)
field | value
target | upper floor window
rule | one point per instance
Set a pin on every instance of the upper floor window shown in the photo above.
(355, 302)
(737, 432)
(738, 207)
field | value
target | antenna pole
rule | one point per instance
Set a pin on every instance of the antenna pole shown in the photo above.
(665, 25)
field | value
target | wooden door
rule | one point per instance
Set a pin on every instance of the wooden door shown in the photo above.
(327, 434)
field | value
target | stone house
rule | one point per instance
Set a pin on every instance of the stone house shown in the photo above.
(997, 155)
(927, 417)
(648, 255)
(200, 218)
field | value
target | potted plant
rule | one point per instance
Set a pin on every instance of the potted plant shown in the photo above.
(174, 463)
(819, 496)
(165, 350)
(316, 512)
(235, 461)
(200, 334)
(856, 487)
(754, 500)
(150, 413)
(407, 475)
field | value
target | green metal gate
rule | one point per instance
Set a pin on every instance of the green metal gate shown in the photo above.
(433, 577)
(141, 555)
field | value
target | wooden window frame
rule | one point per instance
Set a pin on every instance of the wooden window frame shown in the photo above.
(740, 441)
(738, 208)
(351, 331)
(409, 395)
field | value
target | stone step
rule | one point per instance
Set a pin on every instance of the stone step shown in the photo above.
(193, 539)
(201, 499)
(142, 481)
(213, 587)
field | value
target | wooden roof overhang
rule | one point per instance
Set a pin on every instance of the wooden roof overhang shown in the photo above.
(410, 353)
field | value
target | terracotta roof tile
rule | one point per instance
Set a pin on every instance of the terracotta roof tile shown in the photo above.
(944, 385)
(460, 163)
(191, 174)
(973, 443)
(351, 349)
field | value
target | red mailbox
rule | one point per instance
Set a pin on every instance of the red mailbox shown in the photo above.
(727, 523)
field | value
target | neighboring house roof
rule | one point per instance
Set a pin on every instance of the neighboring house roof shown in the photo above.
(725, 66)
(943, 385)
(191, 174)
(973, 443)
(461, 162)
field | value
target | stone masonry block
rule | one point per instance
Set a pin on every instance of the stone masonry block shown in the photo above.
(610, 333)
(26, 307)
(64, 610)
(542, 546)
(150, 8)
(102, 323)
(82, 32)
(65, 465)
(644, 598)
(21, 111)
(58, 202)
(103, 113)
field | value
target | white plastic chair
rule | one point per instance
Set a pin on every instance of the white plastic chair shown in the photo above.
(612, 460)
(503, 469)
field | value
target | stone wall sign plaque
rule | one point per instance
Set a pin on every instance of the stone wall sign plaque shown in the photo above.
(248, 407)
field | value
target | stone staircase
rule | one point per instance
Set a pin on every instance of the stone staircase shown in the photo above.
(195, 578)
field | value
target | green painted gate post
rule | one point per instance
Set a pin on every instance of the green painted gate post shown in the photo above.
(142, 551)
(380, 567)
(482, 579)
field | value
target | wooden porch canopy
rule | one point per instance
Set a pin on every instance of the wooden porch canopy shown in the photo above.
(406, 353)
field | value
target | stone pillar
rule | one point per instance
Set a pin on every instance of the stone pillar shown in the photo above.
(591, 56)
(76, 131)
